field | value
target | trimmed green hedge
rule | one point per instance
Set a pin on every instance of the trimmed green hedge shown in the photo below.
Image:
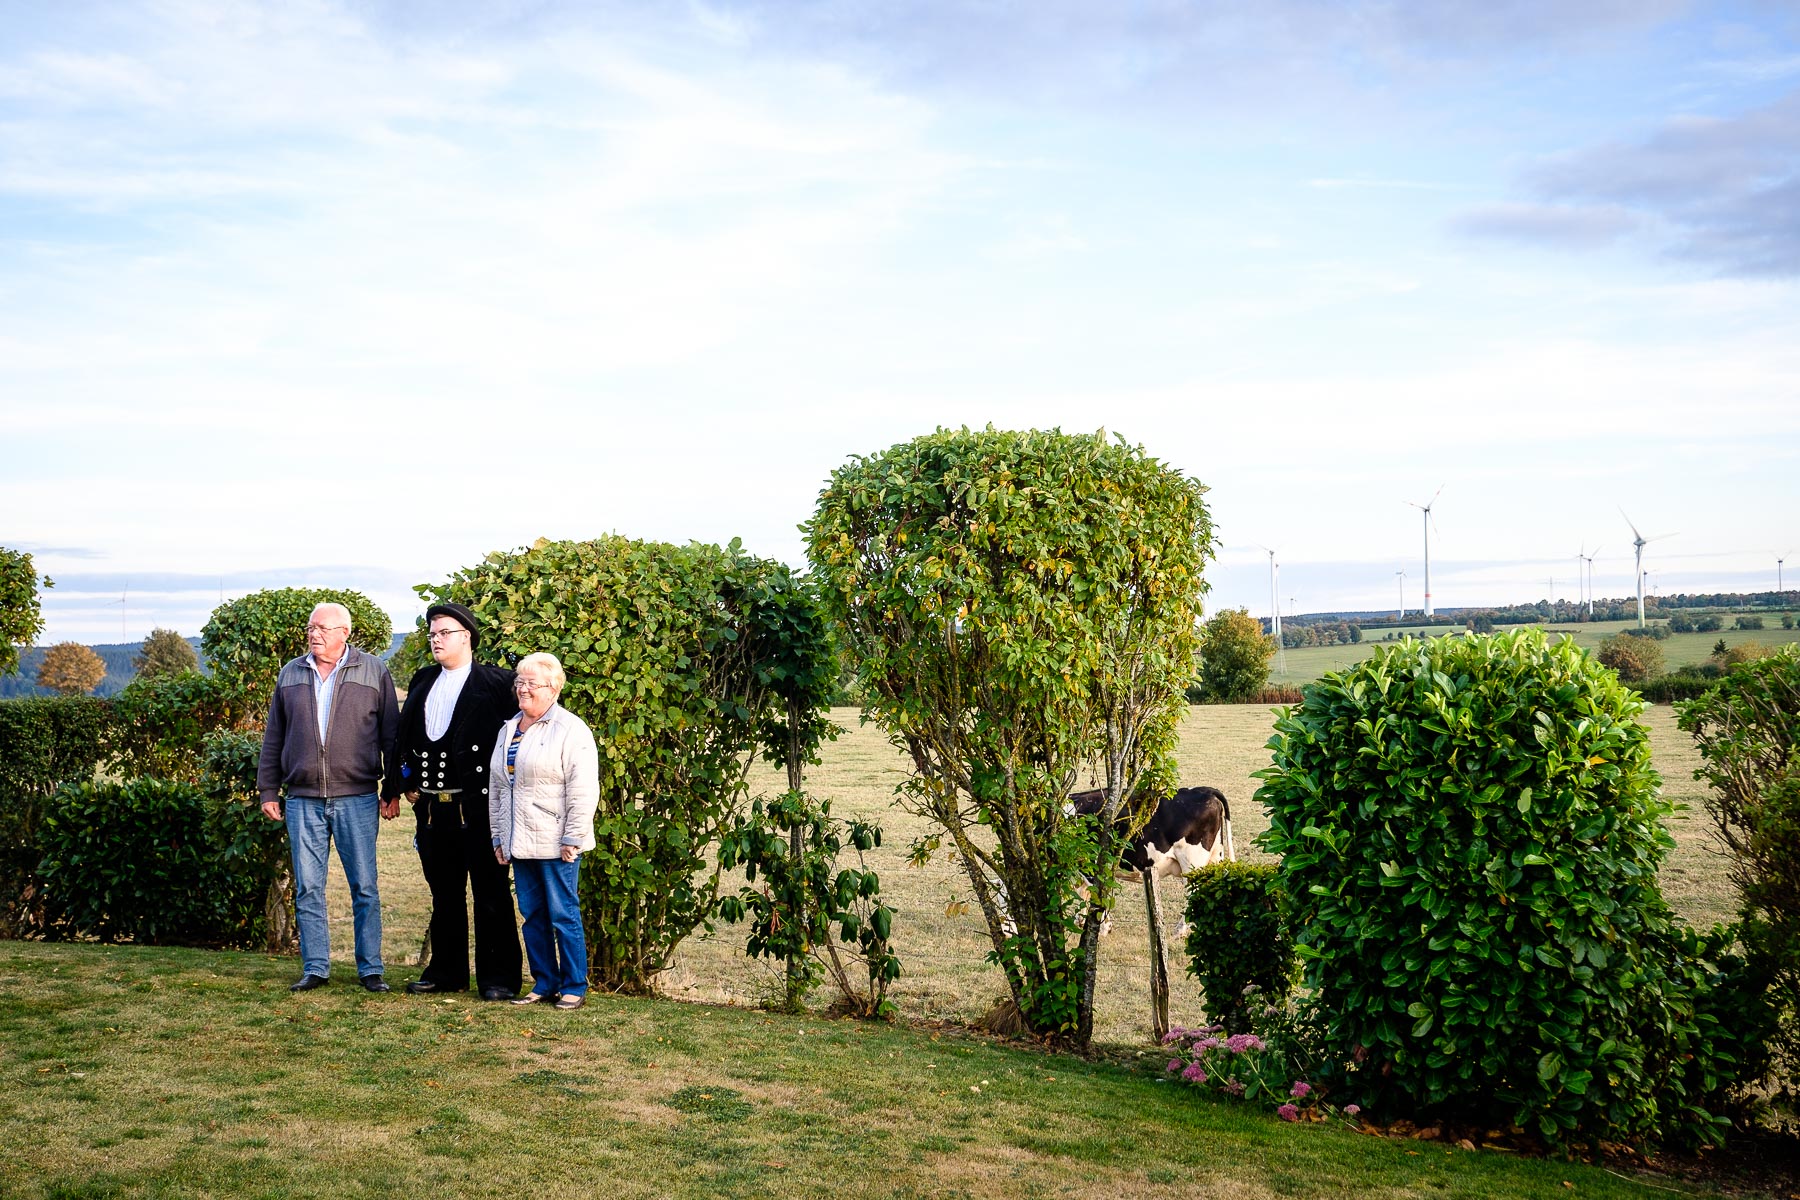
(154, 861)
(1684, 683)
(1238, 939)
(44, 742)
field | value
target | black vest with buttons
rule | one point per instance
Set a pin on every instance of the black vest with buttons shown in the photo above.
(458, 761)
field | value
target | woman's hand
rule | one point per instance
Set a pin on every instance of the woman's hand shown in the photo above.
(569, 853)
(500, 856)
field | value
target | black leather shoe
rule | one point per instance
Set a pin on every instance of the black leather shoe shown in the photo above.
(497, 993)
(375, 983)
(419, 987)
(308, 983)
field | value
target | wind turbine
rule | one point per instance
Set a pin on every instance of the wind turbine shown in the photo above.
(1589, 560)
(1426, 510)
(123, 593)
(1275, 609)
(1779, 559)
(1402, 575)
(1640, 541)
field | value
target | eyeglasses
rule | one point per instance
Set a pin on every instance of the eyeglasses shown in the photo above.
(312, 629)
(436, 634)
(525, 689)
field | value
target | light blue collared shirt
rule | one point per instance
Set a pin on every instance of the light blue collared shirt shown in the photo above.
(323, 689)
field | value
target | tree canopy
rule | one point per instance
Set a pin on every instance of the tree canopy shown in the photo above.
(165, 652)
(71, 669)
(248, 639)
(21, 615)
(1234, 657)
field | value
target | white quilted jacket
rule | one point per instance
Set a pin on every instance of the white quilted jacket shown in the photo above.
(549, 802)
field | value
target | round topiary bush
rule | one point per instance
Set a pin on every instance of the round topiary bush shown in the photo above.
(1470, 831)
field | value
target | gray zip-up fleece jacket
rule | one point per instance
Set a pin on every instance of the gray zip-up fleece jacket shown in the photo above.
(365, 717)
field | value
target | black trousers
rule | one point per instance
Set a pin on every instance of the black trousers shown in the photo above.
(459, 863)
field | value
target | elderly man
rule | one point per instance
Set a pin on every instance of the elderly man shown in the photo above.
(453, 710)
(333, 715)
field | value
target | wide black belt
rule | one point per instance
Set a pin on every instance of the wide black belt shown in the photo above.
(448, 797)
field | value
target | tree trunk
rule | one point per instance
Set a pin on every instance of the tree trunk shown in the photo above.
(796, 971)
(281, 934)
(1159, 962)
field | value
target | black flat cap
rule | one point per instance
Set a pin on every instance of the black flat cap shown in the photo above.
(461, 616)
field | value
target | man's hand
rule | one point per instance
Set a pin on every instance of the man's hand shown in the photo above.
(390, 808)
(272, 809)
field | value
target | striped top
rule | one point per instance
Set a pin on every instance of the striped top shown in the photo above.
(512, 754)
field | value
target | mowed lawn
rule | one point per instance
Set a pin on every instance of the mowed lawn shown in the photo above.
(131, 1071)
(140, 1071)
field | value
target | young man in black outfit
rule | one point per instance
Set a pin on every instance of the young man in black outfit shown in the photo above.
(440, 762)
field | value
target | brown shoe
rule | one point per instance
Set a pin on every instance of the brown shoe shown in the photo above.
(532, 998)
(570, 1003)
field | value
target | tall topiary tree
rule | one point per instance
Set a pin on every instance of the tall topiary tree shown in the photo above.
(677, 657)
(71, 669)
(1469, 831)
(21, 614)
(1021, 607)
(1234, 657)
(248, 639)
(165, 652)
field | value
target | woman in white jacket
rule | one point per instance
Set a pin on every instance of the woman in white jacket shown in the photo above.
(546, 785)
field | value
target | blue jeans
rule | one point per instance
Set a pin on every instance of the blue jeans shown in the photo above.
(550, 914)
(354, 821)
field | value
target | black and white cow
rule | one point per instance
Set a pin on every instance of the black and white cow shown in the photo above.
(1188, 830)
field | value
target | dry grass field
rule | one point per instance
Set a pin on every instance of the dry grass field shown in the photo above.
(1306, 663)
(945, 972)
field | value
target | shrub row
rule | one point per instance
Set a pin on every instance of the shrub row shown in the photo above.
(173, 855)
(156, 861)
(43, 742)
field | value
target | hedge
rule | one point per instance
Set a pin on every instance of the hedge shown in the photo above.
(44, 742)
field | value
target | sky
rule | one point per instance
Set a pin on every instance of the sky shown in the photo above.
(327, 294)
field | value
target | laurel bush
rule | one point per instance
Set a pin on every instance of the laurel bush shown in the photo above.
(1470, 832)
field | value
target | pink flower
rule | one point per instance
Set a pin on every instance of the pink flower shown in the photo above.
(1350, 1110)
(1195, 1073)
(1174, 1065)
(1288, 1112)
(1238, 1043)
(1235, 1087)
(1300, 1088)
